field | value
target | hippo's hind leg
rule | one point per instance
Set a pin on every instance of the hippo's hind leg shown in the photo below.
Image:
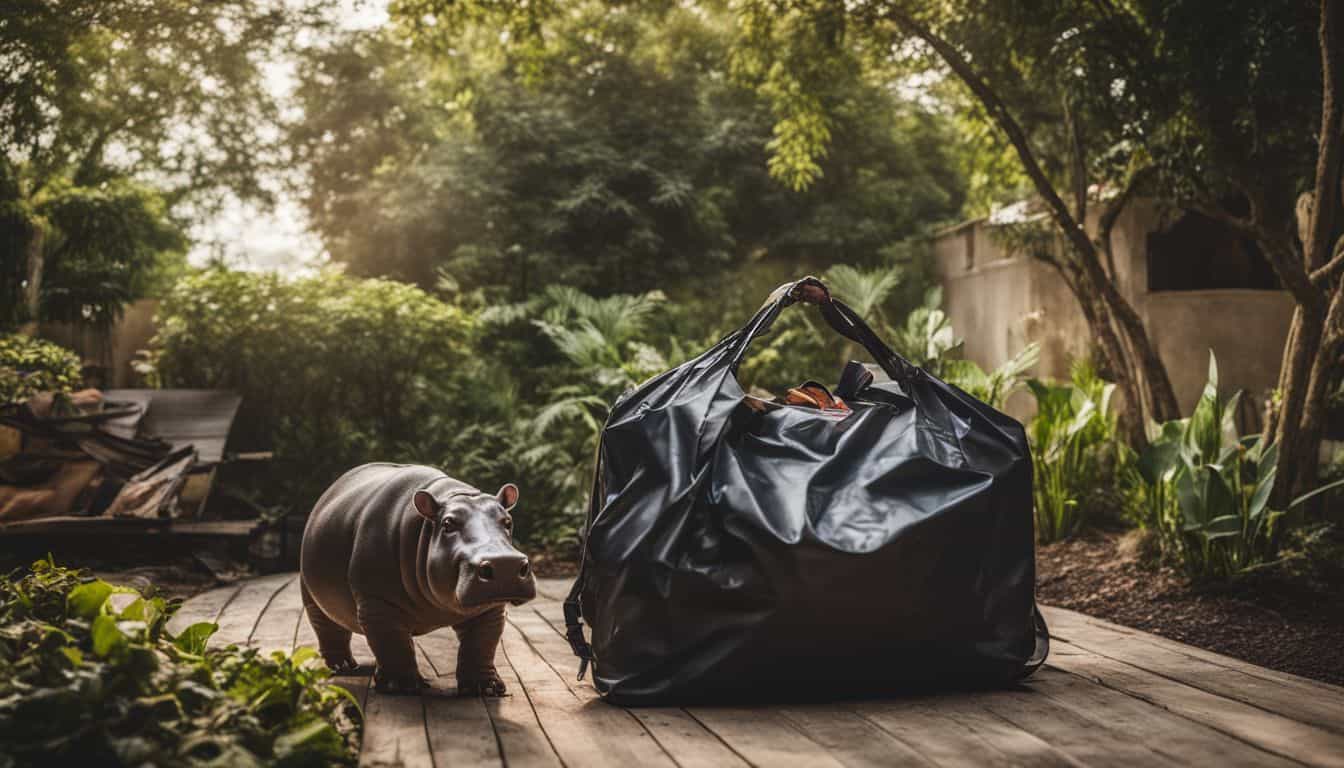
(333, 640)
(389, 638)
(478, 637)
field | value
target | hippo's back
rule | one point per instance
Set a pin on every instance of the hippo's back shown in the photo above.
(362, 537)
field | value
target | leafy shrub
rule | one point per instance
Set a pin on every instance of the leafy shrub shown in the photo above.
(1075, 450)
(1206, 491)
(85, 683)
(334, 371)
(29, 366)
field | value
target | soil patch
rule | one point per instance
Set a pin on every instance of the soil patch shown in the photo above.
(1289, 622)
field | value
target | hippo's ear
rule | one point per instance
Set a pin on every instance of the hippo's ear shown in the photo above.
(508, 495)
(426, 505)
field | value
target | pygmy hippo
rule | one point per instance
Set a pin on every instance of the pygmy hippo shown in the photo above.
(394, 550)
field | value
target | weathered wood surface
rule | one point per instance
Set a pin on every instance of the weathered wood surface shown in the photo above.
(1109, 696)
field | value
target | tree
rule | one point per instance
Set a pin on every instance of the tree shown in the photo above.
(1021, 65)
(1236, 113)
(115, 113)
(612, 151)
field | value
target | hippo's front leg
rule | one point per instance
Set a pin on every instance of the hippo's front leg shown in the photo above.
(478, 637)
(389, 638)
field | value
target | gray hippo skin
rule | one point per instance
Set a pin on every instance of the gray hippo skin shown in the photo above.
(394, 550)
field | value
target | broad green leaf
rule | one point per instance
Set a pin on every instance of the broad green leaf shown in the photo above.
(107, 637)
(86, 600)
(1313, 494)
(193, 639)
(303, 654)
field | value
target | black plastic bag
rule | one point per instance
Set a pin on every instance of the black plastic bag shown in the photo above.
(735, 550)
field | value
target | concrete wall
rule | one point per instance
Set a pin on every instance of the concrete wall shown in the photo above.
(111, 351)
(1000, 301)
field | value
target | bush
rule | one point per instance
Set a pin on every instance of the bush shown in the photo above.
(29, 366)
(334, 371)
(1075, 451)
(83, 683)
(1206, 491)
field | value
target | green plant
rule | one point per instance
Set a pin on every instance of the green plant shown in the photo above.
(1206, 491)
(86, 680)
(334, 371)
(993, 387)
(1074, 449)
(29, 366)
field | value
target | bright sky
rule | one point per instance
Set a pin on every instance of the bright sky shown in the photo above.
(278, 239)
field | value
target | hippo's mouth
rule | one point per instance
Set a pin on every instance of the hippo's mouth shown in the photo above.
(484, 581)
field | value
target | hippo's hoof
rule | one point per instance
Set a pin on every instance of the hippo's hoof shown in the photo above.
(345, 666)
(384, 683)
(489, 685)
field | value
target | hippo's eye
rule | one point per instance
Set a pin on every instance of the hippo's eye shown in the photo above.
(507, 523)
(451, 524)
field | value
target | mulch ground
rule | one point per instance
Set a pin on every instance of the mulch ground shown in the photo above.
(1292, 624)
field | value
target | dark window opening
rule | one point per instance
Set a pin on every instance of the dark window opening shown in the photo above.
(1197, 253)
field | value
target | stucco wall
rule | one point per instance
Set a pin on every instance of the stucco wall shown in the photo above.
(1003, 301)
(1246, 330)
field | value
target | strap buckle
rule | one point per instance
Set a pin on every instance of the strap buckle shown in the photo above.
(574, 634)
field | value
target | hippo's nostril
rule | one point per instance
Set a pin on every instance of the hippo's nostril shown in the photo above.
(524, 569)
(485, 571)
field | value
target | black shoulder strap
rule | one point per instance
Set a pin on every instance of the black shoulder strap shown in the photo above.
(573, 603)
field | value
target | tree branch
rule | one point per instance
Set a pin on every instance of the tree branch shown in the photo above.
(999, 113)
(1289, 269)
(1330, 143)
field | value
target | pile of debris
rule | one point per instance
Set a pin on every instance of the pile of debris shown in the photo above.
(131, 453)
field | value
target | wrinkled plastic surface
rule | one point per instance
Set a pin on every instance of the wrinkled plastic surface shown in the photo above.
(733, 553)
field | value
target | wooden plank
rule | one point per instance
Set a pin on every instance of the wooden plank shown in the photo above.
(1177, 739)
(1303, 700)
(240, 617)
(1085, 737)
(762, 737)
(1262, 728)
(683, 737)
(1066, 618)
(850, 738)
(554, 589)
(203, 607)
(522, 740)
(394, 731)
(948, 731)
(460, 730)
(583, 733)
(279, 622)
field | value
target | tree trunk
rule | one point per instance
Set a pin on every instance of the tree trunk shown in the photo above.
(35, 255)
(1144, 363)
(1316, 337)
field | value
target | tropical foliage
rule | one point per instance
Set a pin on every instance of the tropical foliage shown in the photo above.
(1206, 490)
(87, 679)
(1075, 451)
(29, 366)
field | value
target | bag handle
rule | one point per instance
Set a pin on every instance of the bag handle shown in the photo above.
(838, 315)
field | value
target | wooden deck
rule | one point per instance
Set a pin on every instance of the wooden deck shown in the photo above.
(1108, 696)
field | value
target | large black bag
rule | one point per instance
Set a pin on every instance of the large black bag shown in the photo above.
(737, 552)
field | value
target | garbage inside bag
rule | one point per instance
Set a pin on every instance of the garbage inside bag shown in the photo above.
(805, 549)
